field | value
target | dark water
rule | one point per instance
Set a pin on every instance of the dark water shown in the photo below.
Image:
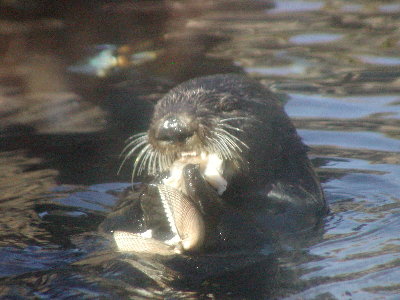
(77, 78)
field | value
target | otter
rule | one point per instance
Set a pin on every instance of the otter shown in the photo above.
(224, 143)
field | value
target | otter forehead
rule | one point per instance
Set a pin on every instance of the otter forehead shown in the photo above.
(186, 100)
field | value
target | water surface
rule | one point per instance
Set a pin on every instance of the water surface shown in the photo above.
(76, 80)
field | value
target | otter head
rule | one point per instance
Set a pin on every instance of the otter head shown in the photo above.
(193, 125)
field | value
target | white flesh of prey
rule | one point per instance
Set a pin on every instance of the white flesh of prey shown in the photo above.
(211, 167)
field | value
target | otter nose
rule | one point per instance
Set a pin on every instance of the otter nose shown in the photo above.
(174, 129)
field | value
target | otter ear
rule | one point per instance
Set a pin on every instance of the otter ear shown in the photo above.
(228, 102)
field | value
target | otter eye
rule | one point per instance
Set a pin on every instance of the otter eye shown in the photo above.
(228, 104)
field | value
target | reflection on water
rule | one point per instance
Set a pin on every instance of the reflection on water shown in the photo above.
(363, 140)
(390, 8)
(295, 6)
(380, 60)
(297, 68)
(317, 106)
(314, 38)
(76, 80)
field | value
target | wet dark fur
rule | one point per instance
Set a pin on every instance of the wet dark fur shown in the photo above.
(274, 175)
(270, 178)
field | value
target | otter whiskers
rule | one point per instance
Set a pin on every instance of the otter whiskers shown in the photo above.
(222, 139)
(227, 145)
(134, 142)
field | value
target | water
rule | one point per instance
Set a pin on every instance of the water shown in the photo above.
(74, 84)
